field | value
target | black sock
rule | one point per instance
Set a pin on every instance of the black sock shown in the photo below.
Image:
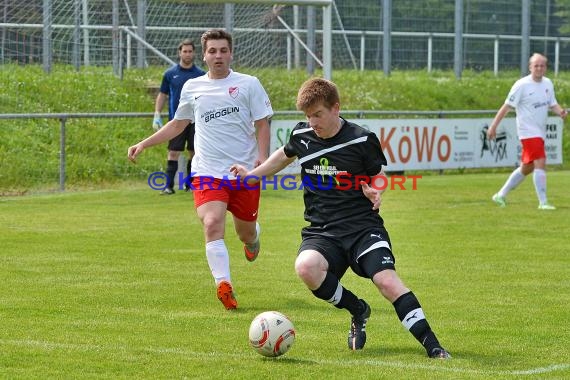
(412, 317)
(334, 293)
(171, 169)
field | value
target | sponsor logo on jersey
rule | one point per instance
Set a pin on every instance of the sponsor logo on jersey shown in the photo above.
(214, 114)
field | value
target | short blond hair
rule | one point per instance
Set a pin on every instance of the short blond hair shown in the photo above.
(536, 56)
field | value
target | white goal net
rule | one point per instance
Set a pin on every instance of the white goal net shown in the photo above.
(265, 34)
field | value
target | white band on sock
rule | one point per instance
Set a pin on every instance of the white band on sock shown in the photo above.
(336, 296)
(412, 317)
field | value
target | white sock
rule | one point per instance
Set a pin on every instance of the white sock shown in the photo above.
(257, 232)
(539, 178)
(218, 260)
(513, 181)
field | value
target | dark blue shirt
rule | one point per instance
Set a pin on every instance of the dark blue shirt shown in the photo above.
(172, 82)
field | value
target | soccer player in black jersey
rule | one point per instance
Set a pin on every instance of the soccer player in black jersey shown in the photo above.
(341, 163)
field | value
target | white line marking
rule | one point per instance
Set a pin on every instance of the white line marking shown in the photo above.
(214, 356)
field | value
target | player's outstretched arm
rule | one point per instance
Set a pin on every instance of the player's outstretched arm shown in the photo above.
(492, 131)
(276, 162)
(172, 129)
(560, 111)
(263, 132)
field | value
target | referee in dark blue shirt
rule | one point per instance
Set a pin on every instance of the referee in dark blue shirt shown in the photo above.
(170, 88)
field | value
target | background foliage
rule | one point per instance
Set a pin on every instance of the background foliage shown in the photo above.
(96, 148)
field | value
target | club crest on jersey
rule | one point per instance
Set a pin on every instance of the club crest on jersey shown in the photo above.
(234, 92)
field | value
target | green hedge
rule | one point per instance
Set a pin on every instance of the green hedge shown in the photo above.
(96, 148)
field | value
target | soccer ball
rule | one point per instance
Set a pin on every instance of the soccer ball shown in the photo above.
(271, 333)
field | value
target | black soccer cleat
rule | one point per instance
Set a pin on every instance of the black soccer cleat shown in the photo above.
(439, 353)
(357, 332)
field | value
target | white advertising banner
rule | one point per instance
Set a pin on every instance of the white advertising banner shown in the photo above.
(434, 144)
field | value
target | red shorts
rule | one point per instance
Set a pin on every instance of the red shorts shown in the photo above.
(532, 150)
(243, 202)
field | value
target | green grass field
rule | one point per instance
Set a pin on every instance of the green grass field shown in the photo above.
(114, 284)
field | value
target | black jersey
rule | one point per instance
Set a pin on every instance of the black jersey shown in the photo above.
(329, 172)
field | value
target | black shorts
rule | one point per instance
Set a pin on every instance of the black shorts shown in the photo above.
(186, 138)
(372, 244)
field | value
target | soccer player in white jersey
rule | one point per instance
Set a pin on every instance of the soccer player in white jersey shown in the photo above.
(345, 228)
(532, 97)
(231, 112)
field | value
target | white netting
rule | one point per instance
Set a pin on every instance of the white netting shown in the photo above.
(21, 40)
(260, 38)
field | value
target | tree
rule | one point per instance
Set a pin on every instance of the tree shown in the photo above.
(563, 12)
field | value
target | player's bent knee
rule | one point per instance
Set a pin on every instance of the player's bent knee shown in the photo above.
(389, 284)
(308, 268)
(303, 270)
(213, 226)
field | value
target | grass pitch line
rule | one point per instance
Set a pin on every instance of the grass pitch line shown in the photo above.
(535, 371)
(401, 365)
(215, 356)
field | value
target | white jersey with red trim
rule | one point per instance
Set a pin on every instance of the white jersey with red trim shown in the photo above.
(224, 111)
(532, 101)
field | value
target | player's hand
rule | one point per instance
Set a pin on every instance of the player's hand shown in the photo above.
(134, 151)
(372, 194)
(157, 121)
(238, 170)
(563, 114)
(242, 173)
(491, 133)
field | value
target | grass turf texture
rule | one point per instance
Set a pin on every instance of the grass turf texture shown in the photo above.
(114, 284)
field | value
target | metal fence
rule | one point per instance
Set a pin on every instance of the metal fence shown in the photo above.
(368, 34)
(65, 117)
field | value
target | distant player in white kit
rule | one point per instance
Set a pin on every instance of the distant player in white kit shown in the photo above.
(532, 97)
(229, 109)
